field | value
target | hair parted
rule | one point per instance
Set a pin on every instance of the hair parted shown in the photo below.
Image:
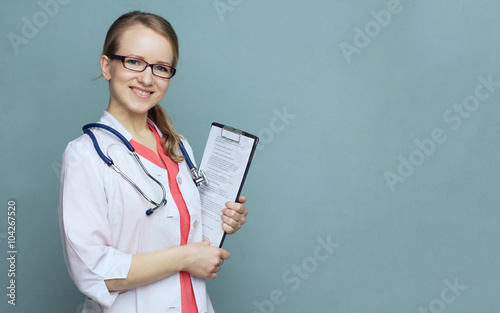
(159, 116)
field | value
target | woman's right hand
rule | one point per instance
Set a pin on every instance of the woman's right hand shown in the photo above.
(202, 260)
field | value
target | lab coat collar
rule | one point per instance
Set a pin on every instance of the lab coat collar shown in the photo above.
(108, 119)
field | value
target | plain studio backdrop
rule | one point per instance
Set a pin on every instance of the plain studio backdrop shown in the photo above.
(375, 184)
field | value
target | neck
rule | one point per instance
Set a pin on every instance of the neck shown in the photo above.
(135, 123)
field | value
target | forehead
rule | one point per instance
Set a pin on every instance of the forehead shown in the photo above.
(145, 42)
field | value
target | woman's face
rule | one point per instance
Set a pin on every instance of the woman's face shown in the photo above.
(137, 92)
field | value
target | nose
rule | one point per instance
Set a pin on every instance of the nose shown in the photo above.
(146, 77)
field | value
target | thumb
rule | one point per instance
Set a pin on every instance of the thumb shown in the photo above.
(225, 254)
(242, 199)
(207, 242)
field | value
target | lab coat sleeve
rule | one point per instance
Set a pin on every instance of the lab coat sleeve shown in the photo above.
(85, 230)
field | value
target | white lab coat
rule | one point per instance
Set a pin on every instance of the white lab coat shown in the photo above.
(103, 223)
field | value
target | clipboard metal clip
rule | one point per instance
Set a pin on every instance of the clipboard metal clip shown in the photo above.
(231, 133)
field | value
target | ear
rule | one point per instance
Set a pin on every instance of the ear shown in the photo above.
(105, 67)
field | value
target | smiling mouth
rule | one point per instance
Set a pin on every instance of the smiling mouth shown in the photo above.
(141, 93)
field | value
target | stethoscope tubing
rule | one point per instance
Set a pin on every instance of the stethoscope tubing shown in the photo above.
(111, 164)
(199, 177)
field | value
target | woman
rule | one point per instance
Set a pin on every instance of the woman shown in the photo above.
(120, 258)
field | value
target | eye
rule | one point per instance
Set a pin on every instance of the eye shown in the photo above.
(132, 62)
(162, 68)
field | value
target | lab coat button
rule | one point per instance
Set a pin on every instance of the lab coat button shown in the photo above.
(195, 223)
(179, 180)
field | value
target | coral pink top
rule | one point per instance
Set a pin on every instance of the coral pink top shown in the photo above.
(187, 294)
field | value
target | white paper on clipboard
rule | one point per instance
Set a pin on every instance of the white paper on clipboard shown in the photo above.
(226, 160)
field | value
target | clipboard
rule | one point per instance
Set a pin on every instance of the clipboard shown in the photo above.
(225, 162)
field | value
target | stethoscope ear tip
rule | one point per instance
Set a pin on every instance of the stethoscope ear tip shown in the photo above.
(149, 212)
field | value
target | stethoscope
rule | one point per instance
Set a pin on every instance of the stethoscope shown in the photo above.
(199, 177)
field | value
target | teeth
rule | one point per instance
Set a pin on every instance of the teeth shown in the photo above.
(142, 93)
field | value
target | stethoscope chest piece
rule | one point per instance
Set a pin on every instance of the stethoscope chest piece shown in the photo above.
(199, 177)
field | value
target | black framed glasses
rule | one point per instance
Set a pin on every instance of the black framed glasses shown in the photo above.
(139, 65)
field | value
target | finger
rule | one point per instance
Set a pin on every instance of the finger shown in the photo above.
(212, 276)
(235, 212)
(235, 221)
(242, 199)
(230, 229)
(237, 207)
(224, 254)
(207, 242)
(231, 218)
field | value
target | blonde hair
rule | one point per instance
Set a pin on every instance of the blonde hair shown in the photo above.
(159, 116)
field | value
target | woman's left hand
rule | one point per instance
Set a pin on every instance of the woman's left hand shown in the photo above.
(234, 215)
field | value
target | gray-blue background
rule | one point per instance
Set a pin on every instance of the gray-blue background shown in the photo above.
(340, 92)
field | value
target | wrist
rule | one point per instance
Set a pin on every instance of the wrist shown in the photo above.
(183, 257)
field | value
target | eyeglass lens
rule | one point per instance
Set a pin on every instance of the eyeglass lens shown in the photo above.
(140, 65)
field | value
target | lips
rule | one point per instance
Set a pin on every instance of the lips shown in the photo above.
(141, 93)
